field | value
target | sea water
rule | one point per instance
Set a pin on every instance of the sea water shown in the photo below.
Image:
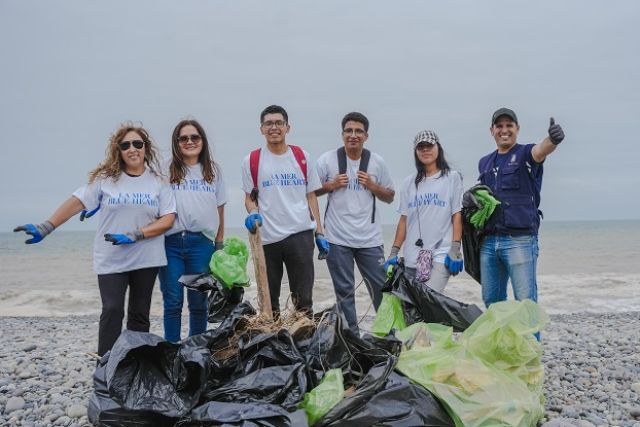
(583, 266)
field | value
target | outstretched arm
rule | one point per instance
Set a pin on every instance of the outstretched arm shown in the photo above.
(548, 145)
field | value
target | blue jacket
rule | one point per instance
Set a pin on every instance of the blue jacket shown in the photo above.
(516, 184)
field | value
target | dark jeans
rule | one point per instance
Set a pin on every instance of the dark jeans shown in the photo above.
(113, 288)
(187, 253)
(340, 263)
(296, 252)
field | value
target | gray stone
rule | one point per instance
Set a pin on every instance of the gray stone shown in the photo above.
(13, 404)
(29, 348)
(76, 411)
(559, 422)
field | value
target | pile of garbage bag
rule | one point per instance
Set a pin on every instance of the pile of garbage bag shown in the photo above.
(414, 371)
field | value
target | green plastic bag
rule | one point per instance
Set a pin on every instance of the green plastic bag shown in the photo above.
(389, 315)
(492, 375)
(488, 203)
(325, 396)
(229, 265)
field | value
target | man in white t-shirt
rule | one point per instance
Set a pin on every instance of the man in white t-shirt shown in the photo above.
(354, 178)
(279, 182)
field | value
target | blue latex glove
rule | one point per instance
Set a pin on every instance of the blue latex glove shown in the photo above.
(453, 260)
(85, 214)
(38, 231)
(323, 246)
(124, 239)
(392, 261)
(556, 134)
(253, 220)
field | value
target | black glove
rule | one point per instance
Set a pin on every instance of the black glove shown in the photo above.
(556, 134)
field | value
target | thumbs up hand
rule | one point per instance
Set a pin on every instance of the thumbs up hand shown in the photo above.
(556, 134)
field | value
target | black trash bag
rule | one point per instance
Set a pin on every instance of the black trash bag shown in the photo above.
(385, 398)
(147, 373)
(223, 300)
(267, 349)
(279, 385)
(229, 414)
(103, 411)
(423, 304)
(334, 345)
(202, 282)
(471, 241)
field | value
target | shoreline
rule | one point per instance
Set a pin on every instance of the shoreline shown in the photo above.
(592, 369)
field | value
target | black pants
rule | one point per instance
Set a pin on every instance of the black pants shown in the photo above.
(113, 288)
(296, 252)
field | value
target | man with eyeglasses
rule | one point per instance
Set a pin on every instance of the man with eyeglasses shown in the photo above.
(354, 178)
(279, 182)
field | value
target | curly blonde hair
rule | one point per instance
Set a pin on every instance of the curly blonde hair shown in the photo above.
(113, 165)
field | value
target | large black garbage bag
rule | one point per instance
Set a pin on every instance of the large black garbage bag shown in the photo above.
(223, 300)
(334, 345)
(423, 304)
(202, 282)
(471, 240)
(385, 398)
(267, 349)
(103, 411)
(243, 415)
(147, 373)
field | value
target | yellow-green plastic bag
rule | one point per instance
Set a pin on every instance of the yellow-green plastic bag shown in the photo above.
(389, 315)
(325, 396)
(229, 265)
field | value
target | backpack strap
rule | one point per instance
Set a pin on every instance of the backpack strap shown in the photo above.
(301, 159)
(342, 160)
(254, 162)
(364, 164)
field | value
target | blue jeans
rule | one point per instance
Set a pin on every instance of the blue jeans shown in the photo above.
(187, 253)
(504, 257)
(340, 263)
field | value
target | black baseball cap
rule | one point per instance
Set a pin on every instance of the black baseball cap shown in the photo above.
(504, 112)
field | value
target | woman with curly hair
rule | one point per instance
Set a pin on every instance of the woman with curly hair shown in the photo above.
(136, 208)
(199, 229)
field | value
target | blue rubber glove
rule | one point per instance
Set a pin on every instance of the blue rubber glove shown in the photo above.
(38, 231)
(124, 239)
(453, 261)
(556, 134)
(253, 220)
(323, 246)
(85, 214)
(392, 261)
(219, 245)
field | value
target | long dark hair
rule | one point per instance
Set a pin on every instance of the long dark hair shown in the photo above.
(178, 168)
(441, 164)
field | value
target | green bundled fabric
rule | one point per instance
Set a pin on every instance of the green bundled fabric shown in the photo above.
(229, 265)
(325, 396)
(492, 375)
(390, 315)
(488, 203)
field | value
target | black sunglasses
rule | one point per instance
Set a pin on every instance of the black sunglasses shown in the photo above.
(124, 145)
(183, 139)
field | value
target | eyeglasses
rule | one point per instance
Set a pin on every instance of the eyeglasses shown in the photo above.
(277, 123)
(357, 132)
(183, 139)
(124, 145)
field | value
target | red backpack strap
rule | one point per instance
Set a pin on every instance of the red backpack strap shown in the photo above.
(254, 162)
(301, 159)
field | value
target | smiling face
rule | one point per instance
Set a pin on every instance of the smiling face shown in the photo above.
(427, 154)
(190, 142)
(132, 157)
(505, 132)
(274, 127)
(354, 135)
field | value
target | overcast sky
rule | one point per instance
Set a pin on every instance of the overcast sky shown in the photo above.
(72, 71)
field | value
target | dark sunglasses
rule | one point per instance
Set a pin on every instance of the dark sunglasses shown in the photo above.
(183, 139)
(124, 145)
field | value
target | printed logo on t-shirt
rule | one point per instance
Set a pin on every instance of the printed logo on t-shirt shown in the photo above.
(354, 185)
(427, 199)
(133, 199)
(283, 180)
(194, 185)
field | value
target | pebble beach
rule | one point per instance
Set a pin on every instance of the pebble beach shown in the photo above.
(592, 369)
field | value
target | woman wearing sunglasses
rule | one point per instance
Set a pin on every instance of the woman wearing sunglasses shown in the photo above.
(198, 230)
(136, 208)
(430, 225)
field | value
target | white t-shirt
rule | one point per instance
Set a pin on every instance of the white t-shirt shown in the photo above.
(282, 193)
(128, 204)
(197, 202)
(347, 220)
(429, 212)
